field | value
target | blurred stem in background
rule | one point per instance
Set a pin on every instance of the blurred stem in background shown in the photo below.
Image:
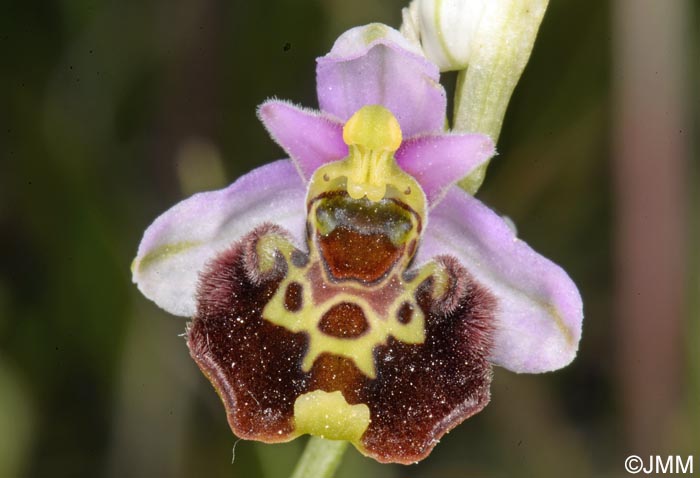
(17, 415)
(692, 338)
(651, 166)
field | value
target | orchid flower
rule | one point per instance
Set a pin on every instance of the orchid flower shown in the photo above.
(354, 292)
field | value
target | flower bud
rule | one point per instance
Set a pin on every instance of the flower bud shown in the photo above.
(449, 28)
(453, 32)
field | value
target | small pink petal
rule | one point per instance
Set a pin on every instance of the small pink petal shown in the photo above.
(310, 138)
(439, 161)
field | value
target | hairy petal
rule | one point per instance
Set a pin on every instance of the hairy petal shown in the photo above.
(439, 161)
(310, 138)
(375, 64)
(539, 311)
(179, 243)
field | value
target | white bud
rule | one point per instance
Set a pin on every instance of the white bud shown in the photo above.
(448, 29)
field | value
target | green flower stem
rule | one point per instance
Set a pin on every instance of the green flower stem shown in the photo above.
(320, 458)
(504, 40)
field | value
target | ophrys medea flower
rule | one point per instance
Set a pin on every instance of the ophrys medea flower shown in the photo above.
(354, 292)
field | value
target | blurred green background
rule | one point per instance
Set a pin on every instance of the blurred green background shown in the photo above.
(112, 111)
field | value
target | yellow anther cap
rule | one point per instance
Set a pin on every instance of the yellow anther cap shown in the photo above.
(373, 127)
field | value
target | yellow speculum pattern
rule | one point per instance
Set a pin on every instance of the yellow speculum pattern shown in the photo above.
(381, 325)
(369, 175)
